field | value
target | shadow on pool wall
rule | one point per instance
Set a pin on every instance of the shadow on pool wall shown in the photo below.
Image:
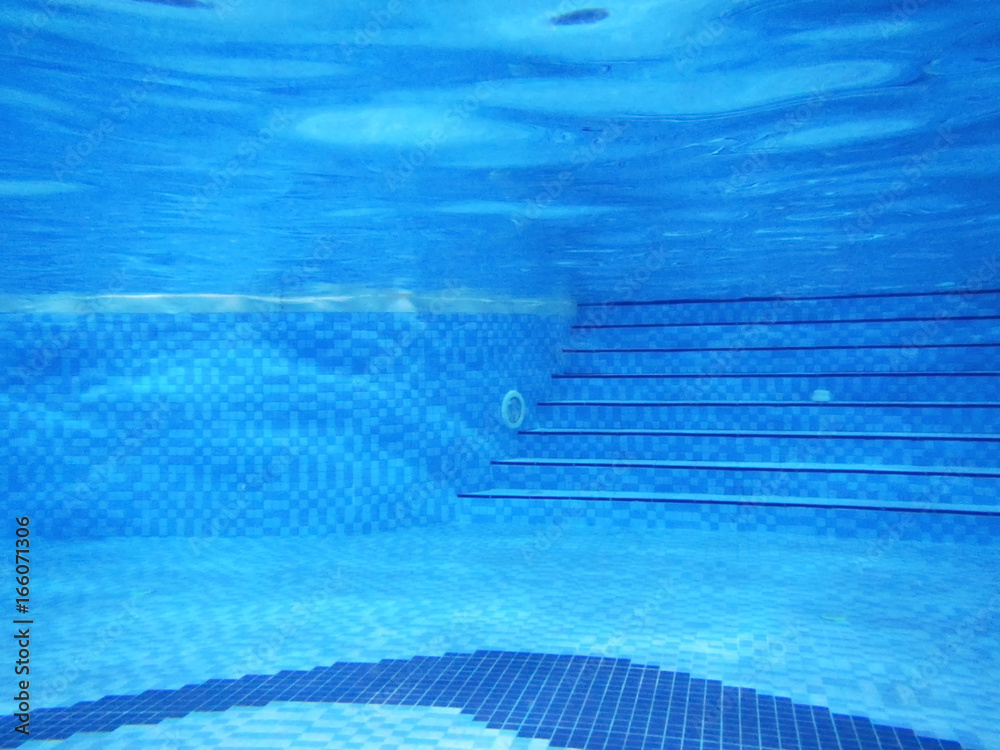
(258, 424)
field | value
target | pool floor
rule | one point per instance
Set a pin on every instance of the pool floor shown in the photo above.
(904, 633)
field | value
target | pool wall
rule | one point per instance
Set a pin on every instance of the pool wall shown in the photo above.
(301, 423)
(257, 424)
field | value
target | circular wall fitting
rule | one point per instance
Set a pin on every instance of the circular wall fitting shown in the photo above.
(512, 409)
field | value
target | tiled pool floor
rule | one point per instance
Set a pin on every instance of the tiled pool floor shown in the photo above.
(904, 633)
(297, 726)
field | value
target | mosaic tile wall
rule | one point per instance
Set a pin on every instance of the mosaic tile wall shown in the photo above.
(311, 423)
(256, 424)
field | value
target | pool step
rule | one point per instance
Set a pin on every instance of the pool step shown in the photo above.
(773, 414)
(883, 482)
(767, 466)
(954, 449)
(881, 401)
(978, 356)
(780, 501)
(909, 331)
(944, 436)
(947, 306)
(981, 385)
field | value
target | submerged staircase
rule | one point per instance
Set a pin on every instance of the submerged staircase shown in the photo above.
(872, 402)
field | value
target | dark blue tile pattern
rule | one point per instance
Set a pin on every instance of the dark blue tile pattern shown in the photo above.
(571, 701)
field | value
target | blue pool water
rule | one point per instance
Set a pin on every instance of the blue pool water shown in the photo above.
(269, 273)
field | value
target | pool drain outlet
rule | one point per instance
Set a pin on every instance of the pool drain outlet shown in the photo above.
(512, 409)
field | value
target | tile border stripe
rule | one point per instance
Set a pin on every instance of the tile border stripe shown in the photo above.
(581, 702)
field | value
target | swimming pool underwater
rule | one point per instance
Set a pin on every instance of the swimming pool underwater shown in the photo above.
(270, 269)
(304, 529)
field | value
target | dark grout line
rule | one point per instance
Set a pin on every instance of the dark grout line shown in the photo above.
(677, 375)
(820, 347)
(827, 404)
(789, 434)
(879, 469)
(736, 500)
(824, 321)
(703, 300)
